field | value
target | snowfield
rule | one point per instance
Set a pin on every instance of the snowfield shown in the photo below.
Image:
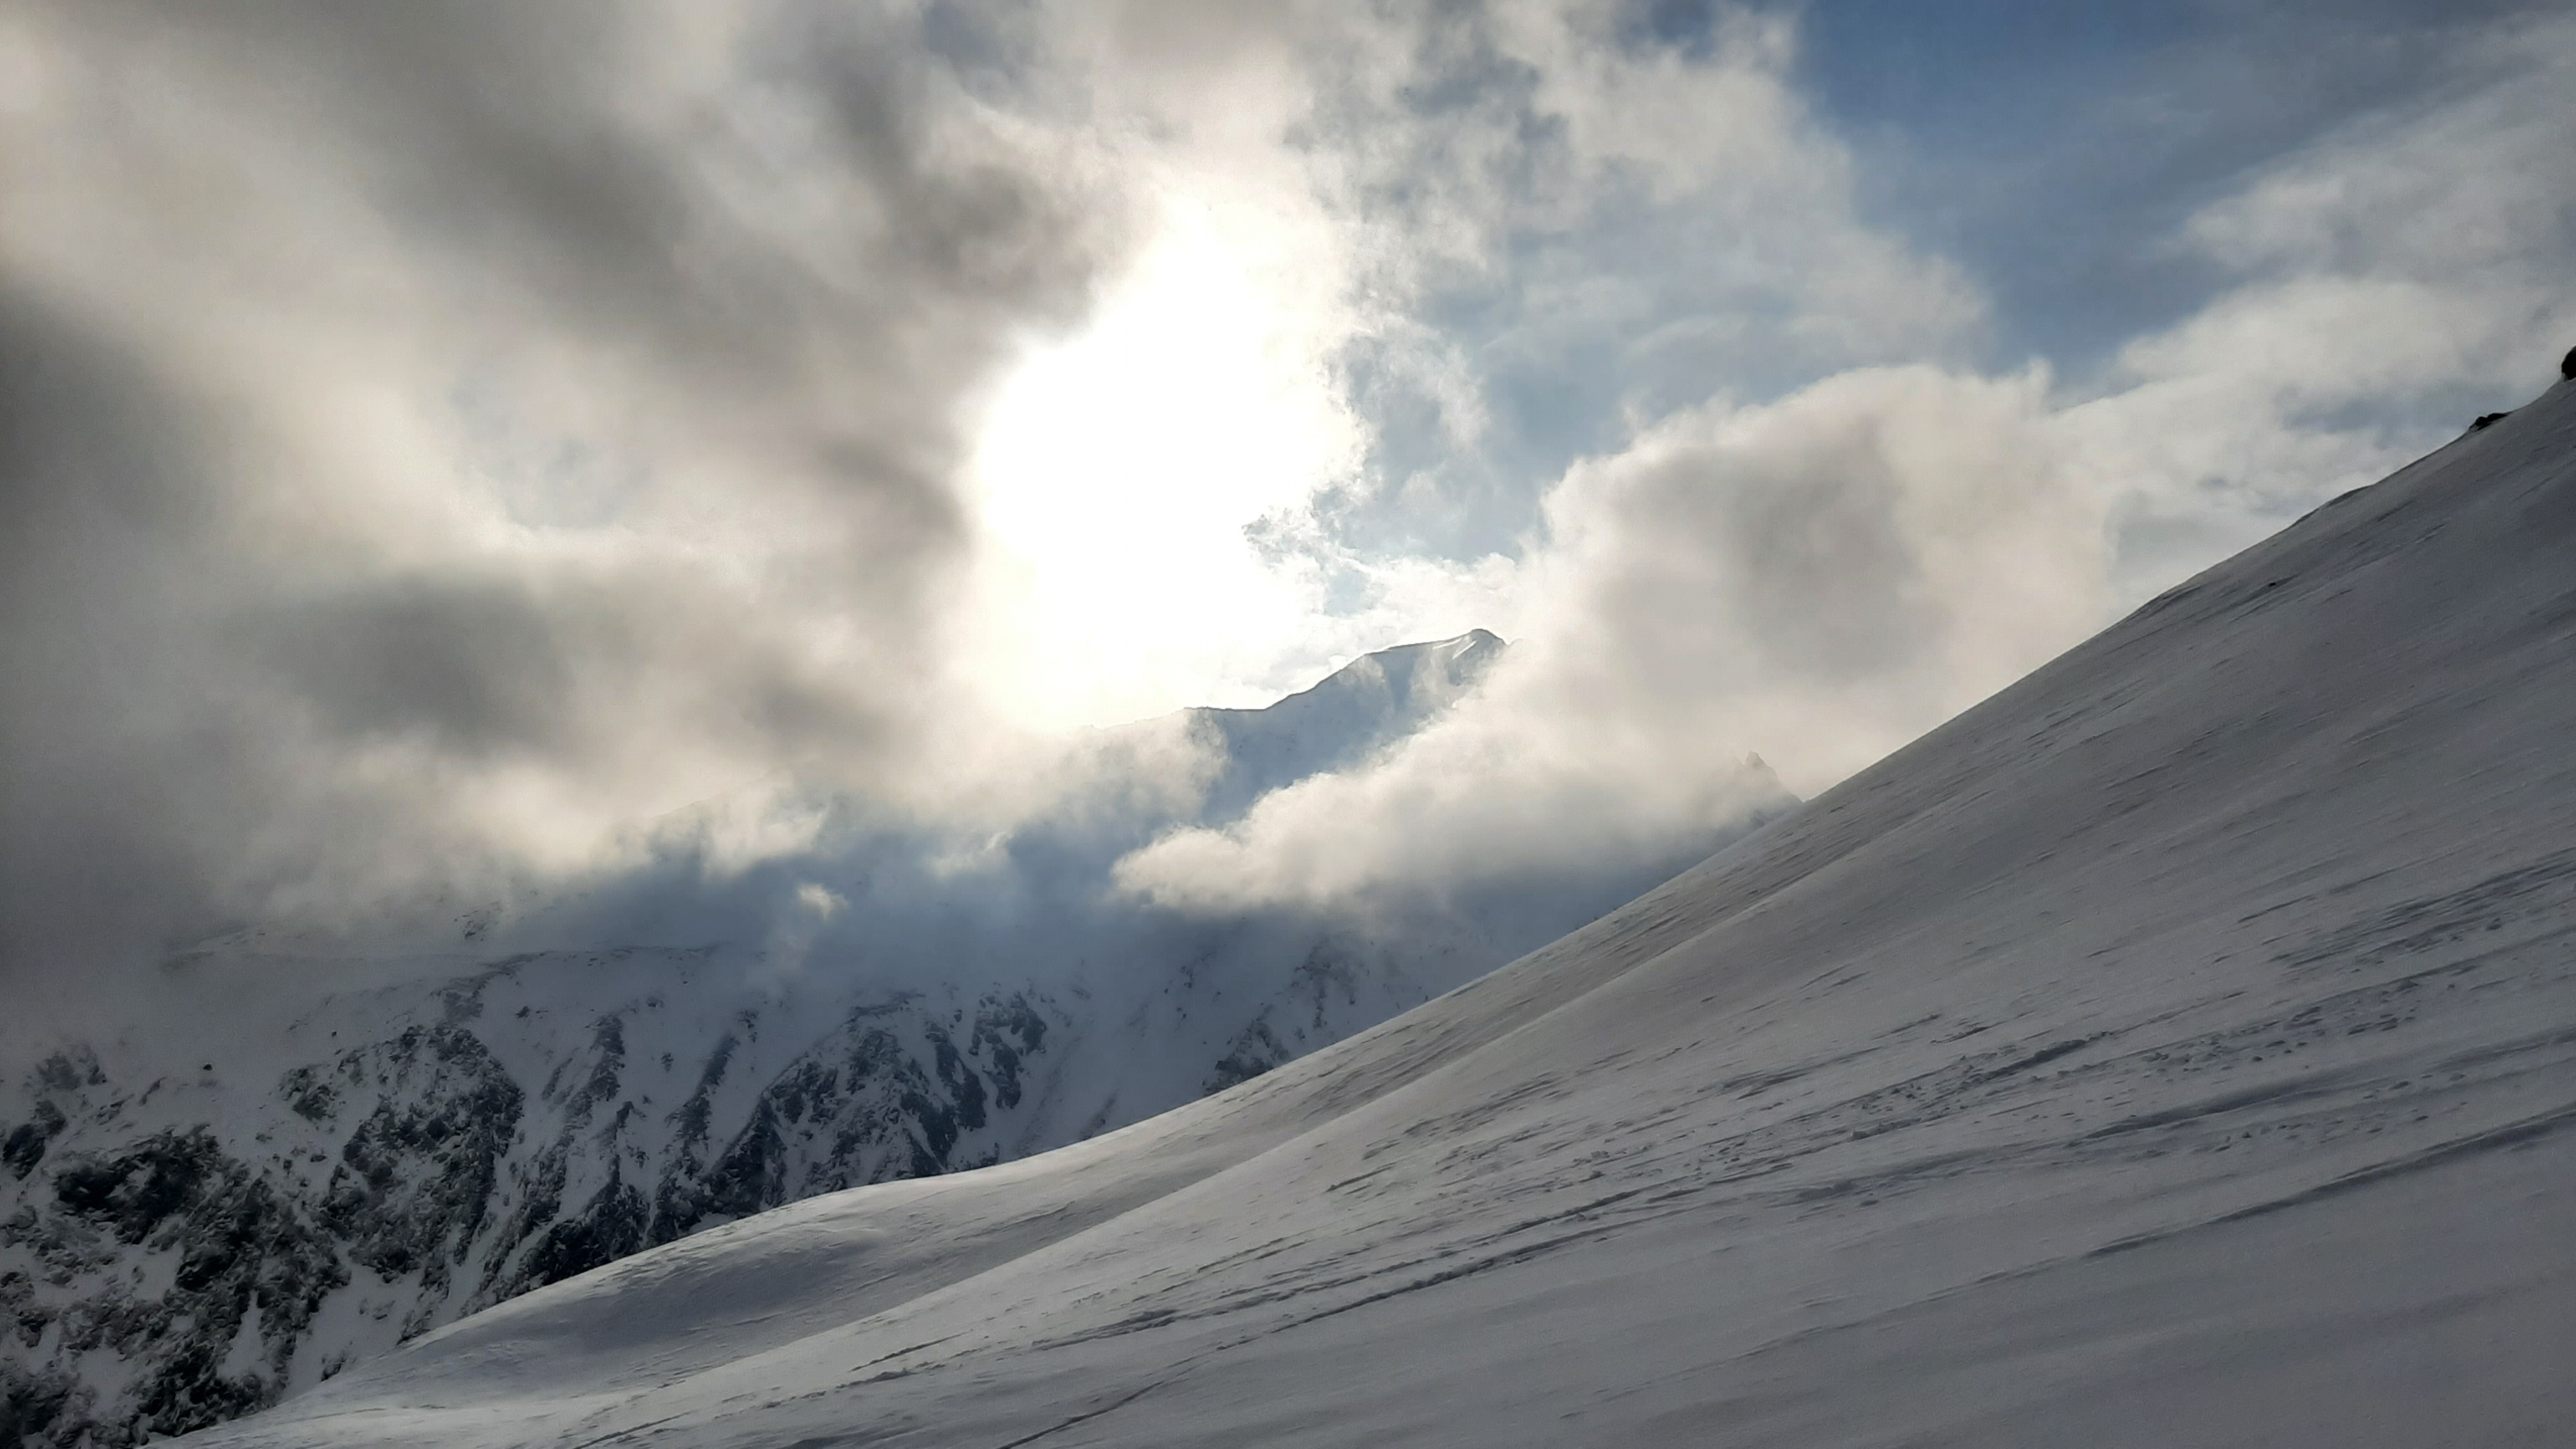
(2177, 1049)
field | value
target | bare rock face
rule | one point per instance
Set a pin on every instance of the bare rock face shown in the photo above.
(421, 1178)
(250, 1273)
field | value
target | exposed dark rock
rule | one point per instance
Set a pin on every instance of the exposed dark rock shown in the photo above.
(1255, 1051)
(25, 1145)
(752, 1174)
(244, 1253)
(1006, 1028)
(609, 1227)
(310, 1094)
(69, 1071)
(416, 1177)
(608, 1040)
(34, 1403)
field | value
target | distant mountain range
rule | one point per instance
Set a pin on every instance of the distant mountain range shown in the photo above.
(188, 1234)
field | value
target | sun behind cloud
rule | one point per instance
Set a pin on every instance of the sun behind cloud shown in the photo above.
(1116, 471)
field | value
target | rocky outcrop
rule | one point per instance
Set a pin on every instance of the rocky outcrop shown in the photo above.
(396, 1185)
(245, 1269)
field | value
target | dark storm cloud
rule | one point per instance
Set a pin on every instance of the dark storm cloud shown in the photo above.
(479, 666)
(294, 295)
(98, 496)
(512, 135)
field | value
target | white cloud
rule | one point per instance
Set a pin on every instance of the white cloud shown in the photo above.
(1335, 186)
(1823, 577)
(2384, 284)
(451, 439)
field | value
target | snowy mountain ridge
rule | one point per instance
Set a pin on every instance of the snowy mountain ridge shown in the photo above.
(194, 1222)
(1361, 707)
(2177, 1048)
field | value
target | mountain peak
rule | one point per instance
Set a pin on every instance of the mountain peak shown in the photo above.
(1343, 718)
(1438, 669)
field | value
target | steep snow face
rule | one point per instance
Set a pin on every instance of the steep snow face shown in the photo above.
(190, 1227)
(2179, 1048)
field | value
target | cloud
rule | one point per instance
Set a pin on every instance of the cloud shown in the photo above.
(442, 442)
(1406, 262)
(2380, 287)
(1824, 576)
(440, 435)
(1587, 226)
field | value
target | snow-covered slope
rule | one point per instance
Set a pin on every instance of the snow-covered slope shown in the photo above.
(198, 1216)
(2179, 1048)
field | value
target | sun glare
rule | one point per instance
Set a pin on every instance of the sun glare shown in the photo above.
(1115, 473)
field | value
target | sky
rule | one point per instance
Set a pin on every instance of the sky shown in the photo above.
(440, 442)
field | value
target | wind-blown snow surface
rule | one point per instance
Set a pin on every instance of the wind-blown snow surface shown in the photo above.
(2179, 1048)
